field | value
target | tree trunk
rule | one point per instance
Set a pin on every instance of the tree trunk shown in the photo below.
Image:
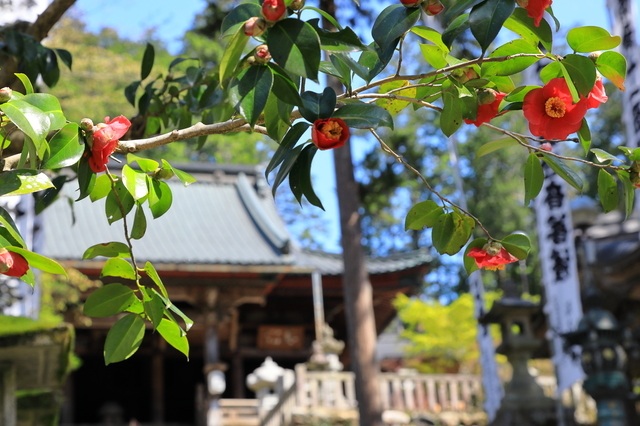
(358, 294)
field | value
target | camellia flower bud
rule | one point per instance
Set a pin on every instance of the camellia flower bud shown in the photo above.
(463, 75)
(411, 3)
(5, 94)
(255, 27)
(433, 7)
(546, 146)
(86, 124)
(486, 96)
(262, 54)
(274, 10)
(296, 4)
(594, 56)
(12, 264)
(492, 248)
(161, 173)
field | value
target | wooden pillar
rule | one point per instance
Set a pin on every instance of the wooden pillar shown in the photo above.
(237, 375)
(8, 406)
(212, 356)
(157, 381)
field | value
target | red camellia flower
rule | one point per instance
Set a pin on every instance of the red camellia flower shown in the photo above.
(597, 95)
(433, 7)
(255, 27)
(105, 140)
(273, 10)
(487, 111)
(329, 133)
(12, 264)
(535, 9)
(492, 262)
(551, 112)
(411, 3)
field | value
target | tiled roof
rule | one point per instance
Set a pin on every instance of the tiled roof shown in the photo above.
(227, 217)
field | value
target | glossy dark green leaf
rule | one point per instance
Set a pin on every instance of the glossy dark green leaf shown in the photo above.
(170, 331)
(31, 120)
(10, 233)
(123, 339)
(563, 171)
(392, 23)
(364, 116)
(109, 300)
(343, 65)
(518, 245)
(582, 71)
(629, 192)
(286, 146)
(153, 306)
(45, 198)
(344, 40)
(607, 191)
(118, 267)
(249, 92)
(130, 92)
(455, 28)
(295, 46)
(112, 249)
(455, 8)
(306, 183)
(584, 135)
(423, 214)
(310, 109)
(451, 232)
(238, 15)
(135, 181)
(523, 25)
(513, 65)
(591, 39)
(147, 61)
(65, 148)
(160, 198)
(23, 181)
(49, 69)
(283, 87)
(231, 56)
(613, 66)
(276, 127)
(533, 178)
(487, 18)
(65, 57)
(86, 178)
(139, 227)
(14, 41)
(470, 264)
(287, 163)
(119, 202)
(50, 105)
(376, 59)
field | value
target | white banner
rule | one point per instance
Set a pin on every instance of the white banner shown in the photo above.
(623, 21)
(559, 274)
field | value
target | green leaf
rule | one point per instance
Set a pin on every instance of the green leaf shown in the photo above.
(249, 92)
(550, 71)
(603, 156)
(283, 87)
(119, 202)
(231, 56)
(392, 23)
(582, 71)
(86, 178)
(470, 264)
(344, 40)
(153, 274)
(341, 67)
(434, 56)
(364, 116)
(135, 181)
(423, 214)
(130, 92)
(607, 191)
(188, 323)
(9, 230)
(395, 106)
(65, 57)
(139, 227)
(118, 267)
(451, 232)
(518, 245)
(153, 306)
(455, 28)
(584, 135)
(109, 300)
(39, 261)
(276, 128)
(520, 23)
(171, 332)
(50, 105)
(518, 94)
(533, 178)
(590, 39)
(101, 188)
(632, 153)
(562, 170)
(123, 339)
(160, 198)
(239, 15)
(300, 177)
(184, 177)
(31, 120)
(318, 105)
(287, 163)
(629, 192)
(487, 18)
(575, 97)
(147, 61)
(430, 34)
(613, 66)
(49, 70)
(23, 181)
(286, 146)
(28, 87)
(451, 117)
(146, 164)
(112, 249)
(65, 148)
(513, 65)
(295, 46)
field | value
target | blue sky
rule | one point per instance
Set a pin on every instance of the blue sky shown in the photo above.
(171, 18)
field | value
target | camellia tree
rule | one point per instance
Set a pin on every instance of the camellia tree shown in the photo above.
(275, 50)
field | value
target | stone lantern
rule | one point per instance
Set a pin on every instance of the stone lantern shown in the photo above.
(604, 361)
(524, 402)
(269, 382)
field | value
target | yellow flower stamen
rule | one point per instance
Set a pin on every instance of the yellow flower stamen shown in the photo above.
(555, 107)
(332, 130)
(494, 268)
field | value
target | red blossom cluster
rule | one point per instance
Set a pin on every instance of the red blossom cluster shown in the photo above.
(491, 257)
(105, 141)
(329, 133)
(535, 9)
